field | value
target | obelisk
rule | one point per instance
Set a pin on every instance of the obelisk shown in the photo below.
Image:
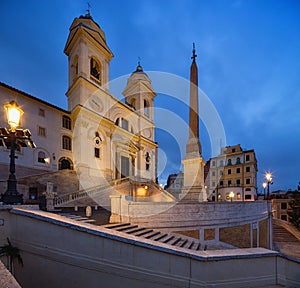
(193, 162)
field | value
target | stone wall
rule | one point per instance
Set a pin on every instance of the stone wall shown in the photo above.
(60, 252)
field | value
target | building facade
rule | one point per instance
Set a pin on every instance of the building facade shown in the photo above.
(232, 175)
(175, 183)
(99, 136)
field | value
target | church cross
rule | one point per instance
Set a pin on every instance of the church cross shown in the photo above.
(194, 53)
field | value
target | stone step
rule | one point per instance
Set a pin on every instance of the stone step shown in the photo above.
(152, 235)
(127, 228)
(144, 233)
(161, 237)
(136, 230)
(113, 226)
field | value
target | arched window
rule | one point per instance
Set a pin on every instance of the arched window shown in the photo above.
(95, 68)
(146, 107)
(148, 160)
(238, 160)
(65, 163)
(229, 162)
(66, 143)
(133, 103)
(41, 157)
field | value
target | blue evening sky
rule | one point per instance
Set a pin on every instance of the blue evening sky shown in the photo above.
(248, 60)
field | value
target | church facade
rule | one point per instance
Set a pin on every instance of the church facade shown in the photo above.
(99, 136)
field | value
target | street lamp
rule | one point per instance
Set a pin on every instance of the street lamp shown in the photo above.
(268, 176)
(264, 185)
(12, 139)
(231, 195)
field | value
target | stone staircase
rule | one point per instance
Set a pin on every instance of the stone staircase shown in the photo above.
(280, 234)
(159, 236)
(100, 194)
(286, 238)
(77, 218)
(151, 234)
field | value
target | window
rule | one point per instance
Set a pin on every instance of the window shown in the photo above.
(66, 143)
(146, 107)
(233, 150)
(229, 171)
(248, 189)
(283, 206)
(213, 184)
(222, 163)
(248, 169)
(148, 159)
(41, 112)
(238, 181)
(248, 197)
(221, 183)
(95, 69)
(229, 182)
(238, 170)
(248, 181)
(33, 193)
(229, 162)
(97, 152)
(284, 217)
(41, 157)
(221, 172)
(65, 163)
(41, 131)
(133, 103)
(125, 124)
(238, 196)
(66, 122)
(238, 160)
(248, 157)
(213, 163)
(213, 173)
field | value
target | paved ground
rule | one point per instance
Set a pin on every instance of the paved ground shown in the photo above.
(6, 279)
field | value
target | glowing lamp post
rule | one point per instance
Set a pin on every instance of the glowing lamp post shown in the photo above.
(231, 195)
(264, 186)
(268, 177)
(12, 139)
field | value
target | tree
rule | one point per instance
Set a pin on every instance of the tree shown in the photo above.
(11, 253)
(294, 214)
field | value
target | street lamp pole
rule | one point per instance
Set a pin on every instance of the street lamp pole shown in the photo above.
(12, 139)
(264, 185)
(269, 179)
(12, 181)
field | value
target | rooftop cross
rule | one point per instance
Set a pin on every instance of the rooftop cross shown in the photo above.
(89, 8)
(194, 53)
